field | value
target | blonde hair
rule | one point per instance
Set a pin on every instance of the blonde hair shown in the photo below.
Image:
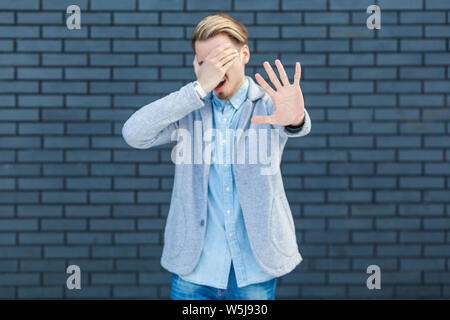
(217, 23)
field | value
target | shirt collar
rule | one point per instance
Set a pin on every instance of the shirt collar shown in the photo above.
(236, 100)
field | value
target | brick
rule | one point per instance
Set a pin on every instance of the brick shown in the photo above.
(162, 5)
(86, 73)
(66, 252)
(140, 291)
(422, 45)
(351, 32)
(136, 18)
(331, 18)
(136, 238)
(134, 46)
(424, 237)
(326, 45)
(279, 45)
(87, 210)
(113, 32)
(7, 17)
(351, 86)
(321, 291)
(349, 4)
(63, 33)
(217, 5)
(401, 32)
(424, 72)
(39, 210)
(401, 4)
(371, 73)
(96, 18)
(41, 238)
(351, 59)
(303, 5)
(303, 32)
(39, 73)
(398, 59)
(112, 5)
(62, 4)
(40, 293)
(86, 45)
(89, 238)
(20, 5)
(40, 156)
(278, 18)
(437, 31)
(375, 45)
(9, 279)
(422, 17)
(19, 59)
(19, 32)
(55, 59)
(19, 115)
(437, 58)
(87, 101)
(112, 59)
(437, 4)
(6, 45)
(39, 18)
(20, 142)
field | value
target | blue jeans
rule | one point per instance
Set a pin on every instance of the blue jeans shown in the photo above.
(185, 290)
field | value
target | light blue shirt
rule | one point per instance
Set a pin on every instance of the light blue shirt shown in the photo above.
(226, 240)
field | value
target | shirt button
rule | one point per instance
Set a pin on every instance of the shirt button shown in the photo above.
(230, 234)
(228, 211)
(225, 165)
(227, 188)
(224, 119)
(202, 222)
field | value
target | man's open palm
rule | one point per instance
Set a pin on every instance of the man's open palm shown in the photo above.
(288, 98)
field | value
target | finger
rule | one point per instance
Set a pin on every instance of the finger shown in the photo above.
(267, 88)
(195, 62)
(261, 119)
(228, 58)
(225, 54)
(218, 50)
(196, 65)
(272, 76)
(227, 65)
(298, 73)
(283, 76)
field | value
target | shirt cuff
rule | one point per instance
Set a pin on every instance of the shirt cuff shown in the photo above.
(294, 129)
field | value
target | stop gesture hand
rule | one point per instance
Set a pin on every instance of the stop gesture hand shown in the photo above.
(287, 98)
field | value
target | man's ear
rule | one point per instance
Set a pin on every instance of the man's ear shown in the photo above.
(245, 51)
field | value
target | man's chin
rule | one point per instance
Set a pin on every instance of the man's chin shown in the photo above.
(222, 94)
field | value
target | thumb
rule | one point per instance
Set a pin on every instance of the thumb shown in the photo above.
(195, 64)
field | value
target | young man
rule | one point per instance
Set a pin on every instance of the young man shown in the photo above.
(229, 232)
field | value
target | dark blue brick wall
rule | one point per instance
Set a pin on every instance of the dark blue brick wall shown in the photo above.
(368, 185)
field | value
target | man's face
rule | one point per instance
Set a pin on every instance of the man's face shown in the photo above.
(235, 76)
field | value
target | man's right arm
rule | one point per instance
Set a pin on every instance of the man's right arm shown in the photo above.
(153, 124)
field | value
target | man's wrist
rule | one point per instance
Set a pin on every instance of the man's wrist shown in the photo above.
(298, 123)
(199, 89)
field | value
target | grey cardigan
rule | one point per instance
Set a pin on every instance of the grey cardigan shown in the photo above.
(267, 215)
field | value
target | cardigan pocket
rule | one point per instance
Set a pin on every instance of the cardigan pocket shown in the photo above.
(175, 231)
(281, 226)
